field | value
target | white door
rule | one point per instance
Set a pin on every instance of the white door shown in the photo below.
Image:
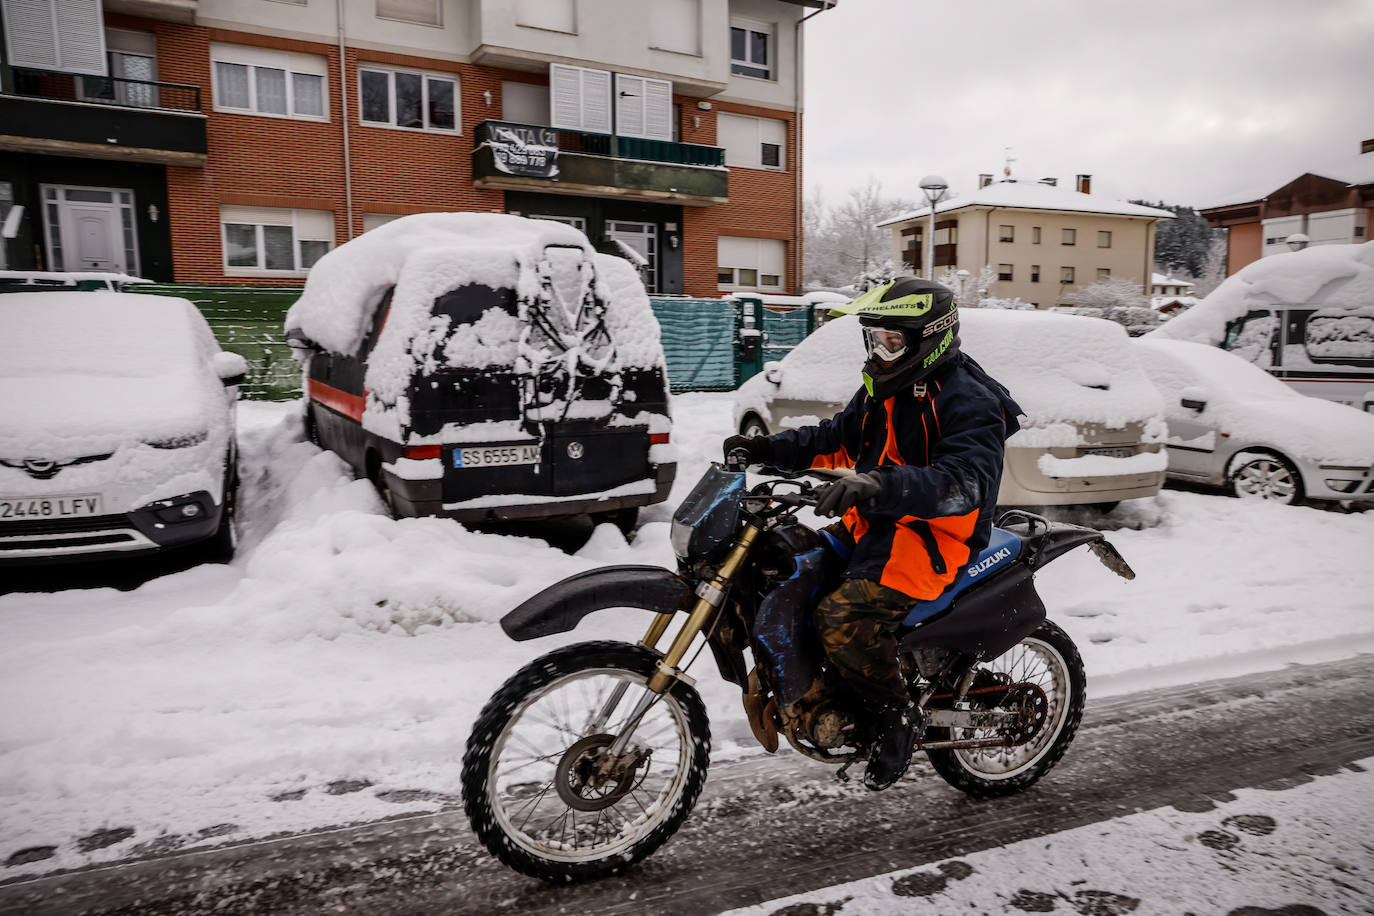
(642, 238)
(95, 237)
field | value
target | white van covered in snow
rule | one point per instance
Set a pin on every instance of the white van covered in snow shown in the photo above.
(483, 366)
(1306, 317)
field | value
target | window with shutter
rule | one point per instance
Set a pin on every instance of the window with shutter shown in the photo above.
(675, 25)
(580, 99)
(66, 35)
(629, 105)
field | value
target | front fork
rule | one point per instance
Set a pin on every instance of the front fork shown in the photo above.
(710, 595)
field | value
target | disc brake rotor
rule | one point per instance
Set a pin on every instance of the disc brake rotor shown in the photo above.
(585, 784)
(1033, 707)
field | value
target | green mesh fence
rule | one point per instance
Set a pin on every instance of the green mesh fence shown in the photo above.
(698, 343)
(698, 337)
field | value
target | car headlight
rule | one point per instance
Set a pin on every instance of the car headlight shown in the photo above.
(183, 441)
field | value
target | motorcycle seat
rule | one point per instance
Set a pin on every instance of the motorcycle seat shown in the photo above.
(1003, 547)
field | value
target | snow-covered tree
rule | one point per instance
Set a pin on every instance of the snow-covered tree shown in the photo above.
(882, 273)
(844, 240)
(969, 289)
(1184, 243)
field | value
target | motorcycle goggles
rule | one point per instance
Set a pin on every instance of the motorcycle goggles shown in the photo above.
(885, 346)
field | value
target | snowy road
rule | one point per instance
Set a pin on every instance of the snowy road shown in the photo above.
(1243, 795)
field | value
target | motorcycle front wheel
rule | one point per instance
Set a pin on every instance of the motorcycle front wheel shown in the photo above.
(541, 789)
(1042, 677)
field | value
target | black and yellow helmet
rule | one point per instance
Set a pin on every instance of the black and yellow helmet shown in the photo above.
(911, 329)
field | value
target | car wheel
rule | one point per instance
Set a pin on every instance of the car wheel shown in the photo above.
(225, 541)
(312, 427)
(752, 427)
(1267, 477)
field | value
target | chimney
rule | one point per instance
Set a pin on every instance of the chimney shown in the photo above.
(1052, 182)
(1366, 146)
(1085, 184)
(984, 180)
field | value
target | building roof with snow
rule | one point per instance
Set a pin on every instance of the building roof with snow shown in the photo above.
(1035, 195)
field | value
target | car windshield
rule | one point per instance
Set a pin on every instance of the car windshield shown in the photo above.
(93, 334)
(1178, 364)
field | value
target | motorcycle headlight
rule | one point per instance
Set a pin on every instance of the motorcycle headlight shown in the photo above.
(183, 441)
(681, 538)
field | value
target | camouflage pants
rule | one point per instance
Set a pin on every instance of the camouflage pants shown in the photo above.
(857, 624)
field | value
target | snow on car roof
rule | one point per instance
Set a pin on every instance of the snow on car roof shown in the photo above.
(1321, 276)
(422, 256)
(1057, 367)
(95, 333)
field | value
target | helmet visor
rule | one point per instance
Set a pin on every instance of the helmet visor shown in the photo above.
(885, 346)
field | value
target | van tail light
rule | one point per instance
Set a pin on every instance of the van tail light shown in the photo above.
(658, 438)
(420, 452)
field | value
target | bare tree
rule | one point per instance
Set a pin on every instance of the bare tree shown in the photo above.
(846, 241)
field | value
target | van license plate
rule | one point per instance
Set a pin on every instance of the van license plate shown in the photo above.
(496, 456)
(1123, 451)
(27, 508)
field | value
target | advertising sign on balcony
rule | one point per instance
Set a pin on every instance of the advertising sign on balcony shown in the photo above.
(521, 149)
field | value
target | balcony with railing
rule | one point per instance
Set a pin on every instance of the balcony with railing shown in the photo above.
(595, 164)
(103, 117)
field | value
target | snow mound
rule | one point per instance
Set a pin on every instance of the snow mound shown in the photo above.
(1324, 276)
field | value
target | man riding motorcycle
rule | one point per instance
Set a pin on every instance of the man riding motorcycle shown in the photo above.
(925, 435)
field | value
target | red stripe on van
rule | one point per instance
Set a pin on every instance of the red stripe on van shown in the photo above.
(350, 405)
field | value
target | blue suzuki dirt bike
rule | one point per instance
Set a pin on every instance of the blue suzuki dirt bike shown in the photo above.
(590, 757)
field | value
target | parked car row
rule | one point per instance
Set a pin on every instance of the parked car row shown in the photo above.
(1107, 417)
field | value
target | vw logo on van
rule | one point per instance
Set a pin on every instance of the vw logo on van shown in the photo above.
(575, 449)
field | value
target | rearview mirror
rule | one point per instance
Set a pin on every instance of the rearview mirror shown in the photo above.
(231, 368)
(296, 340)
(773, 372)
(1193, 398)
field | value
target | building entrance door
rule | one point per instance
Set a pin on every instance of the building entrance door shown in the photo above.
(642, 238)
(90, 229)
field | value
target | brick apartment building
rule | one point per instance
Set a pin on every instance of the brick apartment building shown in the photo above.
(235, 141)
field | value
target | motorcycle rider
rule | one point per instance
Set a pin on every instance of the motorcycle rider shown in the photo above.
(925, 435)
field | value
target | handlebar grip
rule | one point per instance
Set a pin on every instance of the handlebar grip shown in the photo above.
(737, 460)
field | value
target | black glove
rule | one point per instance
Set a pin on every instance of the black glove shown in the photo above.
(843, 495)
(759, 448)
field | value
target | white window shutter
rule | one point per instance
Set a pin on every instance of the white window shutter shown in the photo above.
(658, 109)
(596, 101)
(30, 34)
(629, 105)
(81, 37)
(565, 97)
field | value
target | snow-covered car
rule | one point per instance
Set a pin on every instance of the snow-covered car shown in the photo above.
(1093, 430)
(1233, 424)
(481, 366)
(116, 427)
(1306, 317)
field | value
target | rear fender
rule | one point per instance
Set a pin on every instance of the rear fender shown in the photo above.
(561, 607)
(1043, 541)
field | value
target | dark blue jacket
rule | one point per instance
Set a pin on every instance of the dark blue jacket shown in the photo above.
(939, 456)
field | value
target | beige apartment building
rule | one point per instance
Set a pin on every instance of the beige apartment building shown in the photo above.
(1042, 240)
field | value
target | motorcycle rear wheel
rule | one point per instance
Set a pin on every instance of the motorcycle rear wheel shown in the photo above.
(530, 786)
(1046, 661)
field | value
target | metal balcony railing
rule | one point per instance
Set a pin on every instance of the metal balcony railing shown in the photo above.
(104, 90)
(593, 144)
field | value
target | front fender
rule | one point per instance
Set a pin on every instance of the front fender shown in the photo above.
(561, 607)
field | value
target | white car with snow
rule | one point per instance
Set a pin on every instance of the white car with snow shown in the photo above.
(481, 366)
(1306, 317)
(1233, 424)
(116, 427)
(1093, 429)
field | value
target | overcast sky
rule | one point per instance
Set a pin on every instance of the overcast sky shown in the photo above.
(1185, 101)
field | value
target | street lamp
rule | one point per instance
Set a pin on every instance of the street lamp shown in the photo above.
(1297, 241)
(934, 188)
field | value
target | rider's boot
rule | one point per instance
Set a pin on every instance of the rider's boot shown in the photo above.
(898, 727)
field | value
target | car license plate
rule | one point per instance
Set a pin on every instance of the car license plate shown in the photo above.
(32, 508)
(496, 456)
(1122, 451)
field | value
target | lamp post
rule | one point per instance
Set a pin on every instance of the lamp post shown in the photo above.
(934, 188)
